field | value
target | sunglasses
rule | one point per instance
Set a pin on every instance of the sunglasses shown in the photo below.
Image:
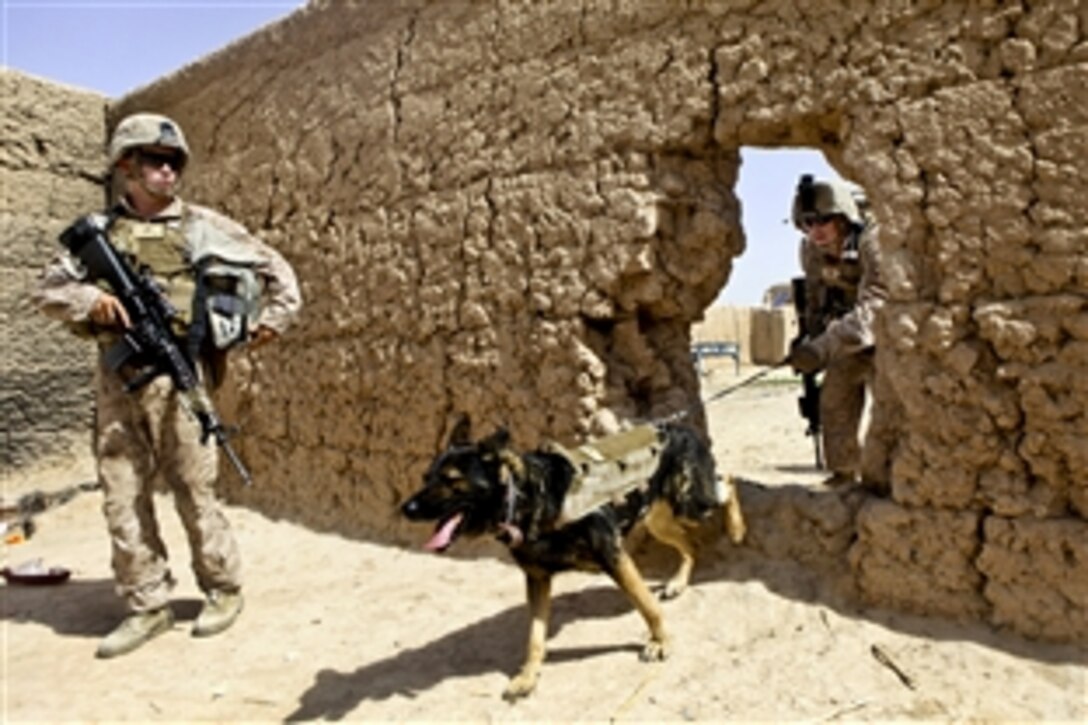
(156, 159)
(814, 220)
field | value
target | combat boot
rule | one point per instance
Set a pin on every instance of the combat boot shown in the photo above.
(134, 631)
(219, 612)
(841, 479)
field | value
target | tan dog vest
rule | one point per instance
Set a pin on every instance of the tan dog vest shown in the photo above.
(609, 468)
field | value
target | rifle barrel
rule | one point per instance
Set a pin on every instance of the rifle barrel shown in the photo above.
(235, 461)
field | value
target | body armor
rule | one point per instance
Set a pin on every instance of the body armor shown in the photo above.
(840, 282)
(207, 277)
(834, 293)
(160, 248)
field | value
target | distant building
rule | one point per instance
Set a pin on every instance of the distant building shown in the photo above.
(778, 295)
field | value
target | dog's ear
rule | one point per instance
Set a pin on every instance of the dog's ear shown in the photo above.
(497, 441)
(461, 435)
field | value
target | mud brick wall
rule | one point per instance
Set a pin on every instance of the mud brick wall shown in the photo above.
(984, 344)
(51, 161)
(518, 211)
(493, 209)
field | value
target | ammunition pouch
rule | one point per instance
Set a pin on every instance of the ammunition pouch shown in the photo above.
(225, 307)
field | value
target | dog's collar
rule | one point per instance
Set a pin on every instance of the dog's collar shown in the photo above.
(507, 529)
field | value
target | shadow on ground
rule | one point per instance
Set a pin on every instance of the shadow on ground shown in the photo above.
(467, 652)
(83, 608)
(77, 608)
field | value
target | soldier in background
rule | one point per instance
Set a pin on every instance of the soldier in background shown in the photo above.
(148, 432)
(843, 293)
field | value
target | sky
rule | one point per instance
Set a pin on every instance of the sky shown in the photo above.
(116, 46)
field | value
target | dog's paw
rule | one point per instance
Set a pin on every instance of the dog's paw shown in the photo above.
(672, 589)
(655, 651)
(519, 687)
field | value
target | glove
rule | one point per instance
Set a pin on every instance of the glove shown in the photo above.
(805, 357)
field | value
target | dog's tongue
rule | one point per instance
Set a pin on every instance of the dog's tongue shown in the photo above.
(444, 534)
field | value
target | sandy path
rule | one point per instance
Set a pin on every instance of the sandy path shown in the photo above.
(341, 629)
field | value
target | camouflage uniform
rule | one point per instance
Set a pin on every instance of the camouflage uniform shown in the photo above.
(843, 293)
(842, 299)
(146, 433)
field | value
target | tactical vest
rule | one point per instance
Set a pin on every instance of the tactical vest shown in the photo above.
(609, 468)
(160, 248)
(841, 279)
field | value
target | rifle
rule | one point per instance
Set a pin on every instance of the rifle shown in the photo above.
(809, 402)
(149, 343)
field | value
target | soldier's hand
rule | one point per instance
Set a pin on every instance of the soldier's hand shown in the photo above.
(107, 311)
(262, 336)
(805, 357)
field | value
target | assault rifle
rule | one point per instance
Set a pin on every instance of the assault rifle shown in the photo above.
(809, 402)
(149, 344)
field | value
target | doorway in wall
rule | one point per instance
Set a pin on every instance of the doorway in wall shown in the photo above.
(765, 187)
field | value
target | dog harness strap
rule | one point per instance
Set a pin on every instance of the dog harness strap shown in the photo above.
(511, 496)
(513, 534)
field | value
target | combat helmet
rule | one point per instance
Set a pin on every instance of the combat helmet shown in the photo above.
(825, 197)
(146, 129)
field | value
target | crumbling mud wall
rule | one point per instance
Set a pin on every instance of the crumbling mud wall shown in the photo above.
(518, 210)
(491, 211)
(977, 169)
(51, 164)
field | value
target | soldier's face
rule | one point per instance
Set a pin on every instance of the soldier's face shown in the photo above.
(157, 170)
(827, 232)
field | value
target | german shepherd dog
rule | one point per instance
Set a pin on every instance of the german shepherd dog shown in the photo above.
(485, 487)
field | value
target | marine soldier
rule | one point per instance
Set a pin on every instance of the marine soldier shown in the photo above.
(843, 293)
(148, 432)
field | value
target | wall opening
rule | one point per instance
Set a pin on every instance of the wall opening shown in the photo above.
(755, 312)
(765, 187)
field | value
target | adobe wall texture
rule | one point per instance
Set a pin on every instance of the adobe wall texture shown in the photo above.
(50, 163)
(519, 211)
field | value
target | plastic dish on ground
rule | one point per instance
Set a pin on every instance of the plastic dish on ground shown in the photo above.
(33, 573)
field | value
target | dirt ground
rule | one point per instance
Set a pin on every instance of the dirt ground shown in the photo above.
(336, 629)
